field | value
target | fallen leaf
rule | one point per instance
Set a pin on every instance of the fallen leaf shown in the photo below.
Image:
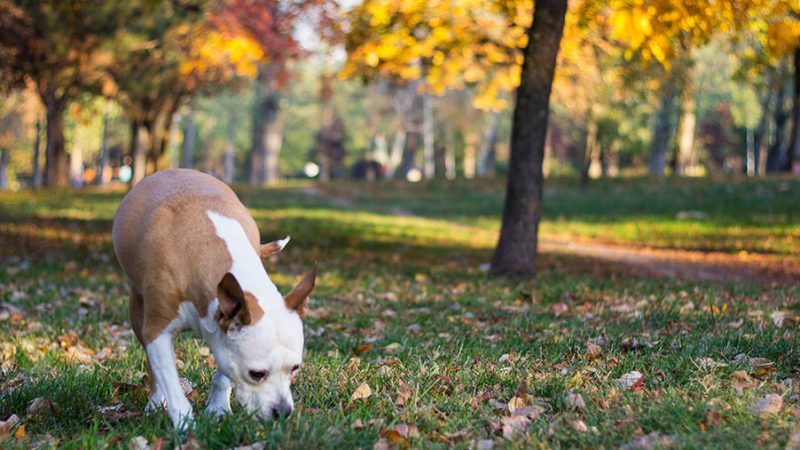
(769, 405)
(484, 444)
(382, 444)
(363, 348)
(41, 405)
(531, 412)
(650, 441)
(740, 381)
(256, 446)
(357, 425)
(515, 403)
(576, 401)
(509, 427)
(20, 432)
(414, 328)
(631, 380)
(777, 318)
(138, 443)
(712, 419)
(7, 425)
(709, 363)
(361, 392)
(593, 350)
(579, 425)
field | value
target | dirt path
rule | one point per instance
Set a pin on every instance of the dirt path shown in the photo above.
(664, 263)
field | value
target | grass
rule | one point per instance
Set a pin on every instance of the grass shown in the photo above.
(402, 306)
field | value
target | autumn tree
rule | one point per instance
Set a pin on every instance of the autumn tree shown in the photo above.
(516, 250)
(61, 47)
(432, 47)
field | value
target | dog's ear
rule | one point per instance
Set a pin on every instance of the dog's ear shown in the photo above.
(273, 247)
(297, 300)
(236, 307)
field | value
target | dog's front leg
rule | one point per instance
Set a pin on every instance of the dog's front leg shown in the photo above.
(219, 400)
(161, 355)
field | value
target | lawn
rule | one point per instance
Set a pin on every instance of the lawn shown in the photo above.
(451, 357)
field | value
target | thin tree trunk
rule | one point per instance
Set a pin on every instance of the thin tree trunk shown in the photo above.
(103, 169)
(396, 155)
(687, 123)
(487, 154)
(266, 137)
(56, 167)
(228, 173)
(189, 135)
(761, 132)
(429, 165)
(174, 155)
(4, 161)
(776, 158)
(37, 163)
(794, 144)
(516, 250)
(403, 101)
(662, 129)
(76, 165)
(140, 142)
(470, 161)
(449, 154)
(409, 155)
(591, 152)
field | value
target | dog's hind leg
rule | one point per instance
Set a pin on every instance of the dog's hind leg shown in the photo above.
(219, 400)
(136, 315)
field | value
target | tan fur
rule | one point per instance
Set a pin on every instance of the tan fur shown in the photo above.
(169, 249)
(297, 299)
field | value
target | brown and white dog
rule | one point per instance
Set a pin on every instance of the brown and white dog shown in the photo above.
(191, 252)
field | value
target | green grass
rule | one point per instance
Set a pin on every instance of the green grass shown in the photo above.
(478, 339)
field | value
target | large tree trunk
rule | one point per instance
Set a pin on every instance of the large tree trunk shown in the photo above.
(189, 135)
(794, 144)
(429, 165)
(662, 129)
(36, 181)
(140, 142)
(777, 157)
(684, 156)
(4, 161)
(56, 167)
(516, 250)
(409, 155)
(267, 134)
(487, 155)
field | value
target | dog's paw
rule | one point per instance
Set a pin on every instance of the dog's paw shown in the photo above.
(217, 410)
(181, 415)
(156, 402)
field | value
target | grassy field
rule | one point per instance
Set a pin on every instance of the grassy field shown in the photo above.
(402, 305)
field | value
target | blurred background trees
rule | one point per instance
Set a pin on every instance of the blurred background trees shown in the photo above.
(259, 90)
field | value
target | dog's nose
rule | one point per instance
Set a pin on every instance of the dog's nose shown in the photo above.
(282, 409)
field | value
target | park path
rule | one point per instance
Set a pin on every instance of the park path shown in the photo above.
(681, 264)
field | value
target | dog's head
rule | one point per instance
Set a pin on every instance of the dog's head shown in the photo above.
(261, 351)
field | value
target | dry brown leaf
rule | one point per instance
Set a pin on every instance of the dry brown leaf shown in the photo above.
(515, 403)
(382, 444)
(740, 381)
(576, 401)
(712, 419)
(631, 381)
(579, 425)
(650, 441)
(593, 350)
(138, 443)
(769, 405)
(357, 425)
(41, 405)
(363, 391)
(363, 348)
(7, 425)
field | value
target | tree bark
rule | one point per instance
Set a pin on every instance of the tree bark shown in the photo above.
(515, 254)
(662, 129)
(487, 155)
(794, 143)
(429, 165)
(229, 166)
(56, 167)
(103, 169)
(140, 142)
(591, 152)
(189, 135)
(267, 135)
(403, 101)
(761, 132)
(449, 153)
(36, 181)
(777, 157)
(684, 156)
(4, 161)
(409, 159)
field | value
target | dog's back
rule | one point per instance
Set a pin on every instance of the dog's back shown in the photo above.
(168, 246)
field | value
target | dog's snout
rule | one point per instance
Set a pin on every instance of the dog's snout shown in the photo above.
(282, 409)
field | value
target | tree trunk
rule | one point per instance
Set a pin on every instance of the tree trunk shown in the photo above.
(591, 153)
(684, 156)
(76, 165)
(56, 167)
(515, 254)
(662, 129)
(189, 135)
(36, 181)
(4, 161)
(267, 135)
(103, 169)
(761, 132)
(396, 155)
(794, 143)
(449, 154)
(140, 142)
(403, 101)
(776, 158)
(429, 165)
(228, 173)
(409, 155)
(487, 155)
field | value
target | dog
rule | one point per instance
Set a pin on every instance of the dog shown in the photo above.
(191, 252)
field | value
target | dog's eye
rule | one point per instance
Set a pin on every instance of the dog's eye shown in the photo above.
(258, 375)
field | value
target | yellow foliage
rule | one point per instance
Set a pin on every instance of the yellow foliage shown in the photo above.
(234, 55)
